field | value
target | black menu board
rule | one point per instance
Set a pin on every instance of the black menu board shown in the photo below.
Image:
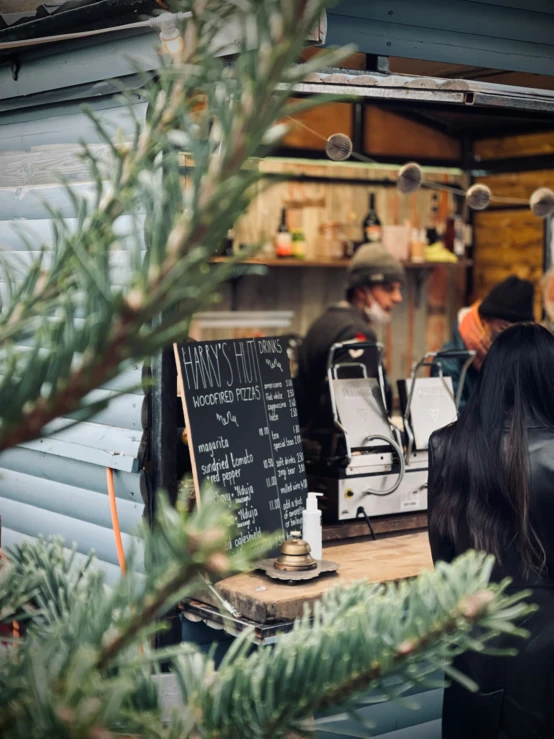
(243, 431)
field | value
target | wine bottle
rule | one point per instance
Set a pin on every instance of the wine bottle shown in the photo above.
(283, 237)
(371, 226)
(459, 237)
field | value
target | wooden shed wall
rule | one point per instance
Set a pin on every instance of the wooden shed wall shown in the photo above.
(511, 240)
(331, 193)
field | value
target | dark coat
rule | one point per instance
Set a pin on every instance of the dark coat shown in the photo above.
(339, 323)
(516, 694)
(453, 368)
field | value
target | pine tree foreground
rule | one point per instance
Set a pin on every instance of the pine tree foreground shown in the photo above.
(83, 667)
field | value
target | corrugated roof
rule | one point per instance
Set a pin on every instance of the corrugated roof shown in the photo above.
(45, 10)
(58, 17)
(400, 87)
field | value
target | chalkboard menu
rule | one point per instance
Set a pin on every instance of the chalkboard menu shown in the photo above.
(243, 431)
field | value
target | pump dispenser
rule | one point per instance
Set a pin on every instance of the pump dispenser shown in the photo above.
(311, 526)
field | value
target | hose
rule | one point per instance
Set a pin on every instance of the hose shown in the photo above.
(396, 448)
(115, 521)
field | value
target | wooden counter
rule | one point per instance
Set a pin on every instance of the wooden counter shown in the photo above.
(393, 558)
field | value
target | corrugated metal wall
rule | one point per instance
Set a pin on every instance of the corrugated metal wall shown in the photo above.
(57, 484)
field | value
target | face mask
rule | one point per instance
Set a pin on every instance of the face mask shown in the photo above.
(376, 314)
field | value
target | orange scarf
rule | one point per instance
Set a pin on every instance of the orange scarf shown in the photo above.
(474, 335)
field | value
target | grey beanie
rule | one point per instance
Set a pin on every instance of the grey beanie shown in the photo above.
(373, 264)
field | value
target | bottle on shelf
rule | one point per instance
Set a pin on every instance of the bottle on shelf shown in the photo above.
(459, 237)
(268, 248)
(449, 233)
(418, 243)
(347, 237)
(283, 237)
(371, 226)
(298, 243)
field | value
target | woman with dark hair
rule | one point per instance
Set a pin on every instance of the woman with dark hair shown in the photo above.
(491, 488)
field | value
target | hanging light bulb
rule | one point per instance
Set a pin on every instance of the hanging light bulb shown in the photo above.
(338, 147)
(172, 41)
(478, 197)
(542, 202)
(409, 178)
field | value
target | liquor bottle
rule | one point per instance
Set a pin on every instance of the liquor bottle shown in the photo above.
(459, 237)
(283, 237)
(372, 225)
(347, 240)
(298, 243)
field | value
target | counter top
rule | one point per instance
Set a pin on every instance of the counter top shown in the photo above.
(388, 559)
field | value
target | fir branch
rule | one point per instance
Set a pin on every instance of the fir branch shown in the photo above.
(240, 107)
(357, 640)
(81, 650)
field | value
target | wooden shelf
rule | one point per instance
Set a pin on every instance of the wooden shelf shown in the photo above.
(338, 263)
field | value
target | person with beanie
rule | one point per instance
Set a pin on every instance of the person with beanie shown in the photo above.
(509, 302)
(374, 284)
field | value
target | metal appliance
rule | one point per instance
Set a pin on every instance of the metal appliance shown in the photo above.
(372, 468)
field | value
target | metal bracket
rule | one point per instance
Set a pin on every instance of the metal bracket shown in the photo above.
(377, 63)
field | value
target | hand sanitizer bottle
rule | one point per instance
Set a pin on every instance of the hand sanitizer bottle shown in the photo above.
(311, 525)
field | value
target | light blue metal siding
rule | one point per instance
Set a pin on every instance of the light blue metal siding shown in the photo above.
(501, 34)
(57, 484)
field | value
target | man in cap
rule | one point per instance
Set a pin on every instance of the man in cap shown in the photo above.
(375, 280)
(509, 302)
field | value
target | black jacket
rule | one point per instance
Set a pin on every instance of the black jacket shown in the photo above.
(339, 323)
(516, 694)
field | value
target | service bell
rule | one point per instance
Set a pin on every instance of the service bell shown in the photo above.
(295, 555)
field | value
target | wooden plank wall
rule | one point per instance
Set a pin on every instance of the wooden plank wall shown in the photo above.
(416, 328)
(511, 240)
(385, 134)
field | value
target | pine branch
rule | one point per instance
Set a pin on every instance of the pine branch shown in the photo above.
(358, 640)
(81, 649)
(174, 278)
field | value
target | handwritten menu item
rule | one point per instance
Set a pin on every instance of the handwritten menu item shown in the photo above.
(240, 412)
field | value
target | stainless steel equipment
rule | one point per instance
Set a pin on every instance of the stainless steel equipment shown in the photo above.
(365, 474)
(376, 469)
(428, 403)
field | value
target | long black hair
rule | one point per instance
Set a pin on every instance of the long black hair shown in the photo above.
(484, 481)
